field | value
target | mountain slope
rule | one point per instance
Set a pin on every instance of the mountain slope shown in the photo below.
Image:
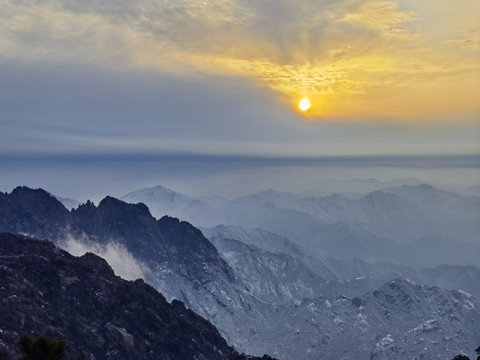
(274, 278)
(47, 291)
(181, 263)
(399, 321)
(273, 243)
(348, 277)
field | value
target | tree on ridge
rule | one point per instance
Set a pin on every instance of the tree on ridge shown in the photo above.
(42, 348)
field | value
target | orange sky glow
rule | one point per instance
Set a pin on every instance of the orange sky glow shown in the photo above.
(402, 61)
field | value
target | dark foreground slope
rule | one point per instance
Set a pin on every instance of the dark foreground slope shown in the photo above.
(46, 291)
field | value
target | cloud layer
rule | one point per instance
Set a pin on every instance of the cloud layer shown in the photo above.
(355, 59)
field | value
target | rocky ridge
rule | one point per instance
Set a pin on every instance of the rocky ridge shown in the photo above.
(47, 291)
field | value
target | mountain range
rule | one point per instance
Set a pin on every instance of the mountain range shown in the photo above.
(341, 277)
(389, 224)
(258, 288)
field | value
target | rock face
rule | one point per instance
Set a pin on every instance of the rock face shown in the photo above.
(30, 211)
(47, 291)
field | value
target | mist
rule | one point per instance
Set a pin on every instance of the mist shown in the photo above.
(94, 177)
(118, 257)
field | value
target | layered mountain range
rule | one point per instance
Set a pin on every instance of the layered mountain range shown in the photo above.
(265, 293)
(46, 291)
(241, 247)
(416, 225)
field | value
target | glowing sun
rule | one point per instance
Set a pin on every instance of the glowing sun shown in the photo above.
(304, 104)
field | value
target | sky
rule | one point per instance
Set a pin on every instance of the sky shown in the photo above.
(88, 85)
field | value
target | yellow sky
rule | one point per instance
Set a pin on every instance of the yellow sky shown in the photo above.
(403, 61)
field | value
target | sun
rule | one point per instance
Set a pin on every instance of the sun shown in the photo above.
(304, 104)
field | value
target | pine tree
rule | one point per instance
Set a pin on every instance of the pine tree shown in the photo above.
(42, 348)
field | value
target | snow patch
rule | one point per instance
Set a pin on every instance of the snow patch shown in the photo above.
(312, 308)
(362, 319)
(428, 325)
(384, 343)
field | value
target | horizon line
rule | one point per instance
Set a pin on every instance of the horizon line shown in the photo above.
(352, 160)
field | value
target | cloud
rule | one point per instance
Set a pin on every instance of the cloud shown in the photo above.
(355, 59)
(229, 176)
(49, 107)
(118, 257)
(384, 17)
(470, 38)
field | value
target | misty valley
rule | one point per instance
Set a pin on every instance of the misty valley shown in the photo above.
(357, 269)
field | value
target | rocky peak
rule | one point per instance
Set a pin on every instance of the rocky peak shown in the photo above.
(32, 211)
(47, 291)
(176, 230)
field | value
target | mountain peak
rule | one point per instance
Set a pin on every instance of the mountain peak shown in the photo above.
(156, 190)
(25, 210)
(99, 315)
(110, 202)
(28, 193)
(160, 188)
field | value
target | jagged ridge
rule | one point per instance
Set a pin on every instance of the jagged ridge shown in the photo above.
(47, 291)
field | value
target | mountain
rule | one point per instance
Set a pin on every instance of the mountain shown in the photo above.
(253, 294)
(332, 237)
(355, 186)
(348, 277)
(453, 277)
(456, 216)
(272, 243)
(67, 202)
(179, 261)
(376, 226)
(201, 211)
(279, 278)
(30, 211)
(257, 210)
(403, 214)
(436, 199)
(47, 291)
(270, 277)
(400, 320)
(277, 198)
